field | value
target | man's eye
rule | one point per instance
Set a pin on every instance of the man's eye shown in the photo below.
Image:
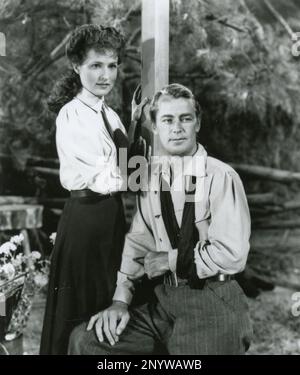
(113, 66)
(95, 66)
(187, 119)
(167, 121)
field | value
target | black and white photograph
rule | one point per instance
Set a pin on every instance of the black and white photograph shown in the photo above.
(149, 179)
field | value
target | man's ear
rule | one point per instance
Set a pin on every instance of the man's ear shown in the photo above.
(154, 128)
(198, 126)
(75, 68)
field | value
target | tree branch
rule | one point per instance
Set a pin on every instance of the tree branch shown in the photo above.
(54, 11)
(59, 47)
(133, 10)
(134, 58)
(279, 17)
(133, 36)
(223, 22)
(236, 28)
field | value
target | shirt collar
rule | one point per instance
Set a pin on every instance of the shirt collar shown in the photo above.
(196, 165)
(188, 165)
(96, 107)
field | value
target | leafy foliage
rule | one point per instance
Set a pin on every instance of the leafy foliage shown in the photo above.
(235, 55)
(245, 78)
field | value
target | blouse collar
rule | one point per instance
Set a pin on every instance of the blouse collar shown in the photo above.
(96, 107)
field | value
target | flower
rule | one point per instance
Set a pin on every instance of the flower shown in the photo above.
(17, 239)
(52, 237)
(21, 275)
(7, 248)
(41, 280)
(13, 262)
(35, 255)
(8, 270)
(17, 261)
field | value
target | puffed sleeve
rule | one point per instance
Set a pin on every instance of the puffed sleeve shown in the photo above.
(226, 249)
(79, 150)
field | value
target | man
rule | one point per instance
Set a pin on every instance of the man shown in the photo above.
(192, 240)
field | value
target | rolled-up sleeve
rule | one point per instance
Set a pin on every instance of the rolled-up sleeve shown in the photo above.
(138, 242)
(227, 246)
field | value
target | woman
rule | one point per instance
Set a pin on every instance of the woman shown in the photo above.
(90, 234)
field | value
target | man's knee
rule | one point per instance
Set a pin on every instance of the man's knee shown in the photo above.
(83, 342)
(78, 340)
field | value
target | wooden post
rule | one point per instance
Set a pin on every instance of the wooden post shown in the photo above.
(155, 55)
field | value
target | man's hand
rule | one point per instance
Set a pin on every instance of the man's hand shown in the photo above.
(112, 321)
(156, 264)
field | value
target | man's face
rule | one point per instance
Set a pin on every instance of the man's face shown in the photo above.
(177, 126)
(98, 72)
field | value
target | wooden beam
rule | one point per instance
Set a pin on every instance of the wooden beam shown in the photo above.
(261, 199)
(266, 173)
(276, 224)
(43, 170)
(155, 55)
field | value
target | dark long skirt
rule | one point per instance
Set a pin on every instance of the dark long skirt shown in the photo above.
(84, 265)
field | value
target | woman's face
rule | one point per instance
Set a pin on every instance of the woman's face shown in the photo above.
(98, 72)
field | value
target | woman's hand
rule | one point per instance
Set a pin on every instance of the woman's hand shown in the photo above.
(137, 111)
(137, 104)
(138, 145)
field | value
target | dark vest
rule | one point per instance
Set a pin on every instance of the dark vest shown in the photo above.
(185, 238)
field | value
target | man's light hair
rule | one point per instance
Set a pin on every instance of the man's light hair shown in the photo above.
(174, 90)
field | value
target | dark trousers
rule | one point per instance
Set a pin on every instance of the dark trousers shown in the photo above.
(212, 320)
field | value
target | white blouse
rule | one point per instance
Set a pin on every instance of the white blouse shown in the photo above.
(87, 154)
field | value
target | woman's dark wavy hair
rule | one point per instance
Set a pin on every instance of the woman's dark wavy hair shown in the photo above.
(81, 41)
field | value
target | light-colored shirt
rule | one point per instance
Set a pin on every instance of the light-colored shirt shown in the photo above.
(87, 153)
(176, 172)
(221, 217)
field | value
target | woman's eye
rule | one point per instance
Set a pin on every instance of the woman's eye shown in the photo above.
(114, 66)
(95, 66)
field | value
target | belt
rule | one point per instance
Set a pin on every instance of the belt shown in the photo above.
(172, 279)
(90, 193)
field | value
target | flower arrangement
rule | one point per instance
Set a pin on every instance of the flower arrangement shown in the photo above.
(21, 276)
